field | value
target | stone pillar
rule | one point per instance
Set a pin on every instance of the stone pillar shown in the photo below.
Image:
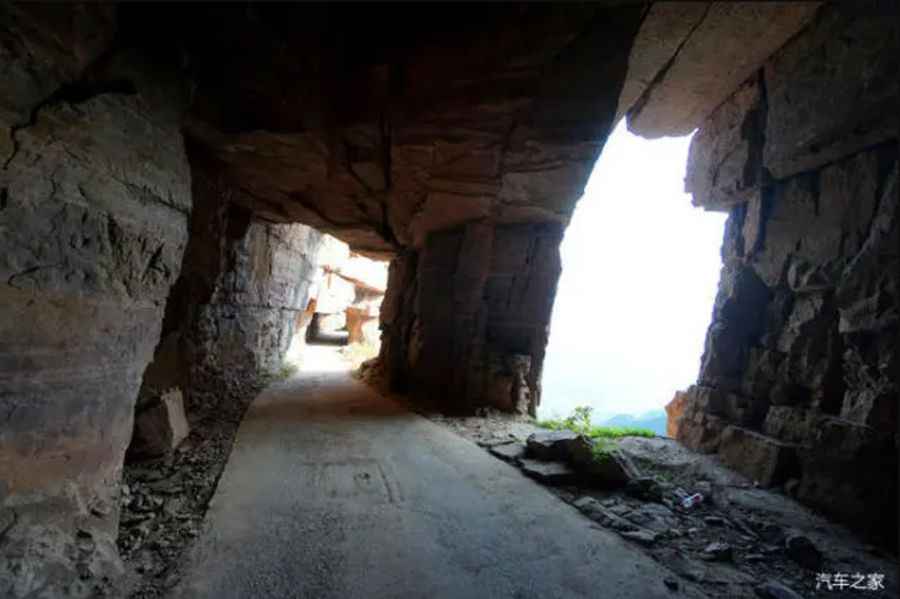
(397, 320)
(465, 321)
(94, 203)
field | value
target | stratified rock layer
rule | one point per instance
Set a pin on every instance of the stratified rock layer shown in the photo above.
(231, 316)
(465, 321)
(800, 374)
(94, 202)
(724, 45)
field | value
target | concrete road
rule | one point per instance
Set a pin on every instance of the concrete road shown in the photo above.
(334, 491)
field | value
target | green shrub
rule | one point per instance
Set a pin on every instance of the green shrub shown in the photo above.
(602, 448)
(580, 422)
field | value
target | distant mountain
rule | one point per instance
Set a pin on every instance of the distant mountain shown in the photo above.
(655, 421)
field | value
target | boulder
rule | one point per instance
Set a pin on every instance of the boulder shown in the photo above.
(554, 445)
(550, 473)
(609, 469)
(509, 452)
(160, 426)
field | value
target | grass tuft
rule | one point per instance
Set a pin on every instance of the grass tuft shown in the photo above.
(580, 422)
(617, 432)
(602, 448)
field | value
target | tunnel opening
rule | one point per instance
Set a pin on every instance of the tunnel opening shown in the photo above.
(256, 303)
(339, 331)
(242, 288)
(151, 194)
(640, 268)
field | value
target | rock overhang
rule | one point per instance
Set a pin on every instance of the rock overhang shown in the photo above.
(380, 125)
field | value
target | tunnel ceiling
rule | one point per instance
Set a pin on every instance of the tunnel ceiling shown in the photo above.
(380, 124)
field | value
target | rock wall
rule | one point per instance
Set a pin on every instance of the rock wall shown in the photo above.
(94, 203)
(799, 379)
(465, 321)
(232, 313)
(457, 142)
(348, 293)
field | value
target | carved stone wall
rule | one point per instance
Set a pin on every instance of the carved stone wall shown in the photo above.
(466, 320)
(94, 204)
(799, 379)
(232, 313)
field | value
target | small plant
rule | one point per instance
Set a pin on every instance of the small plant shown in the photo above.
(580, 422)
(602, 449)
(617, 432)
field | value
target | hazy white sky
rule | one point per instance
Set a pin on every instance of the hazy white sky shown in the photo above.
(640, 267)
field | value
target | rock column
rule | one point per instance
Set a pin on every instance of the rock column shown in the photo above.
(94, 205)
(466, 319)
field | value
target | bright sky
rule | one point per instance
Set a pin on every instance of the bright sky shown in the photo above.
(640, 268)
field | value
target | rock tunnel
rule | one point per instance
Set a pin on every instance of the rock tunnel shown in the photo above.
(167, 173)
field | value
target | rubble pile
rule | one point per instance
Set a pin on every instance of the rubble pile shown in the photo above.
(706, 523)
(164, 499)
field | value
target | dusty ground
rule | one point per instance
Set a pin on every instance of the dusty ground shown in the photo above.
(298, 513)
(335, 491)
(164, 501)
(764, 530)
